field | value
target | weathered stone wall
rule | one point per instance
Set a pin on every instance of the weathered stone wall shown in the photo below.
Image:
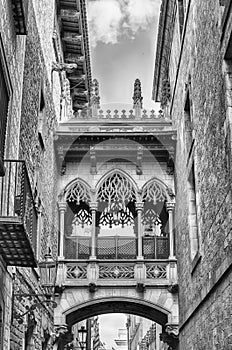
(202, 301)
(41, 165)
(14, 50)
(41, 162)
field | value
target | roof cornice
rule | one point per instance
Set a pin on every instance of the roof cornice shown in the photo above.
(84, 25)
(164, 44)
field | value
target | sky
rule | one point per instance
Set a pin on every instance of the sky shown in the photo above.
(109, 325)
(122, 36)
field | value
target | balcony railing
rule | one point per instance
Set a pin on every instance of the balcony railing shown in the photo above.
(18, 216)
(116, 248)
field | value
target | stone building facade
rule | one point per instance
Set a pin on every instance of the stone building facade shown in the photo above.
(192, 80)
(104, 178)
(30, 109)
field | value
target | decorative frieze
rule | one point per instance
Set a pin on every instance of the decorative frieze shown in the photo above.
(76, 272)
(116, 271)
(156, 271)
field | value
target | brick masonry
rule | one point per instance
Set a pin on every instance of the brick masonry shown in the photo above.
(205, 293)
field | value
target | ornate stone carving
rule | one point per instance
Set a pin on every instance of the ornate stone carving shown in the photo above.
(137, 97)
(139, 169)
(173, 288)
(116, 188)
(93, 161)
(95, 98)
(78, 192)
(116, 272)
(156, 271)
(76, 272)
(59, 67)
(165, 92)
(170, 336)
(154, 192)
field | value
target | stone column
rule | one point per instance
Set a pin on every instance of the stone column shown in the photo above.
(139, 208)
(93, 207)
(170, 208)
(62, 208)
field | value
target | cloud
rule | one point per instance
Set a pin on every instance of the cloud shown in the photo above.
(140, 13)
(105, 17)
(110, 19)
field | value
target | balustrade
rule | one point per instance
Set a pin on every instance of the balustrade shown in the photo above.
(118, 271)
(117, 115)
(116, 247)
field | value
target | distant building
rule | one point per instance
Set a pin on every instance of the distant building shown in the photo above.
(121, 341)
(143, 334)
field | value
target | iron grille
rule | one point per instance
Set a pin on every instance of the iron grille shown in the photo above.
(155, 247)
(116, 248)
(84, 248)
(106, 248)
(17, 213)
(70, 248)
(162, 248)
(77, 248)
(126, 248)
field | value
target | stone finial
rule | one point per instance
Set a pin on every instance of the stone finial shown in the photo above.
(137, 97)
(95, 98)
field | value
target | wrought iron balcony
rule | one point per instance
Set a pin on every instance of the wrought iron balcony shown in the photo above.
(116, 248)
(18, 217)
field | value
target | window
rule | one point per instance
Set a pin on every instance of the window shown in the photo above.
(193, 222)
(41, 119)
(181, 15)
(4, 103)
(188, 122)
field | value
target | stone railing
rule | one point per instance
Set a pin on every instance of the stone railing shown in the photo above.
(116, 114)
(129, 270)
(100, 272)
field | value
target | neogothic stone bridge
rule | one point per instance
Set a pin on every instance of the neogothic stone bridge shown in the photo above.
(116, 203)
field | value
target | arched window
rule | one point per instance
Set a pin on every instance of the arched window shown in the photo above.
(116, 206)
(155, 221)
(78, 221)
(115, 219)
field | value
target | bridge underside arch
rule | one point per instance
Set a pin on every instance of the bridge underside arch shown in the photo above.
(134, 306)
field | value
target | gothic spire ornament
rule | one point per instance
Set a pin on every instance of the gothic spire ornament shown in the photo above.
(95, 98)
(137, 97)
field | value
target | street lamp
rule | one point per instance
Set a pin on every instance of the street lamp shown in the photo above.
(82, 340)
(48, 272)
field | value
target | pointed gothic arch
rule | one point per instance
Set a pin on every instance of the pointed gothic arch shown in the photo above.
(116, 195)
(155, 190)
(120, 172)
(78, 219)
(155, 218)
(77, 190)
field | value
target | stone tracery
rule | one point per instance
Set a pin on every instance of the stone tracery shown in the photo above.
(78, 192)
(118, 204)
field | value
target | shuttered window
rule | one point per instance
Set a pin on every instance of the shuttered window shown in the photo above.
(4, 101)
